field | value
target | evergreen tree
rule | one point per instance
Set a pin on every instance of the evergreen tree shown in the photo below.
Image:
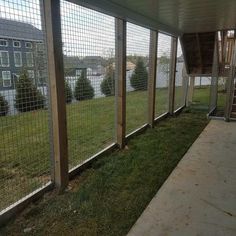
(3, 106)
(139, 78)
(28, 97)
(108, 83)
(68, 91)
(83, 88)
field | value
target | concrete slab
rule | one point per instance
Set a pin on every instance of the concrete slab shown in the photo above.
(199, 197)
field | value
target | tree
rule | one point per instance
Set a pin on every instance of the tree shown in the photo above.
(68, 91)
(3, 106)
(83, 88)
(28, 97)
(139, 78)
(108, 83)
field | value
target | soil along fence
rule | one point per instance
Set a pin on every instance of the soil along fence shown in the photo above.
(74, 83)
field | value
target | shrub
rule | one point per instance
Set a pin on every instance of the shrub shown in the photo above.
(68, 91)
(83, 88)
(28, 97)
(3, 106)
(108, 83)
(139, 78)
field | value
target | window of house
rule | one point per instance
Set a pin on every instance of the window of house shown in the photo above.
(31, 74)
(40, 47)
(3, 43)
(16, 44)
(28, 44)
(18, 59)
(4, 59)
(6, 78)
(29, 59)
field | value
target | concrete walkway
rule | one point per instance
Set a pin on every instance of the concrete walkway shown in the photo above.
(199, 197)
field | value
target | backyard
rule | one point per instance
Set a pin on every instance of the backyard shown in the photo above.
(109, 197)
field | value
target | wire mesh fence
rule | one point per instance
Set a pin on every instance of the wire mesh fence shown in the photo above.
(24, 130)
(88, 47)
(179, 79)
(88, 39)
(138, 39)
(163, 73)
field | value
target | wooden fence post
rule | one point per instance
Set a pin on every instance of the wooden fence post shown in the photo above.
(120, 78)
(57, 92)
(172, 75)
(152, 77)
(191, 89)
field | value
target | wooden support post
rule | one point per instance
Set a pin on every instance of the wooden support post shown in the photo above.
(191, 89)
(185, 86)
(230, 86)
(57, 92)
(152, 77)
(172, 75)
(120, 78)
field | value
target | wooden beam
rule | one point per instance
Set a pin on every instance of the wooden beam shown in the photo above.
(152, 77)
(230, 86)
(172, 75)
(57, 92)
(120, 78)
(191, 89)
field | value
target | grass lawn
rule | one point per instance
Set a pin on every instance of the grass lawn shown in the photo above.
(25, 142)
(201, 98)
(109, 197)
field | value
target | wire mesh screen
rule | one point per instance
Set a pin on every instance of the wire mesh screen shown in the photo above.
(138, 39)
(24, 131)
(179, 79)
(163, 70)
(88, 47)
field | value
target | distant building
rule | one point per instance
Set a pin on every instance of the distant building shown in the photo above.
(21, 46)
(95, 65)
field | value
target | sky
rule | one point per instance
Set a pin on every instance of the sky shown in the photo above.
(85, 31)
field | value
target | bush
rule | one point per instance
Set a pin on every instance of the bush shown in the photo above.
(3, 106)
(28, 97)
(139, 78)
(68, 91)
(83, 88)
(108, 83)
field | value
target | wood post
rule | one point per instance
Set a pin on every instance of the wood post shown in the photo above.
(172, 75)
(57, 92)
(191, 89)
(185, 86)
(120, 78)
(230, 86)
(152, 77)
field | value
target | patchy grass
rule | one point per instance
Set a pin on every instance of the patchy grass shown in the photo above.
(109, 197)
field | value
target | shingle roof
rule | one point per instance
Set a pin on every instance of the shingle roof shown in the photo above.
(19, 30)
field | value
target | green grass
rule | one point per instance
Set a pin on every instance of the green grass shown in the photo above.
(25, 143)
(109, 197)
(201, 98)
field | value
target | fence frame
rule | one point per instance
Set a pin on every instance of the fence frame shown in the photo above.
(61, 174)
(57, 92)
(152, 76)
(174, 42)
(120, 78)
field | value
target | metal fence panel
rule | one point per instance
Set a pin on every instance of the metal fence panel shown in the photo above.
(88, 46)
(24, 115)
(162, 77)
(138, 39)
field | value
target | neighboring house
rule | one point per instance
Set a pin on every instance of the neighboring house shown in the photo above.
(21, 46)
(95, 65)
